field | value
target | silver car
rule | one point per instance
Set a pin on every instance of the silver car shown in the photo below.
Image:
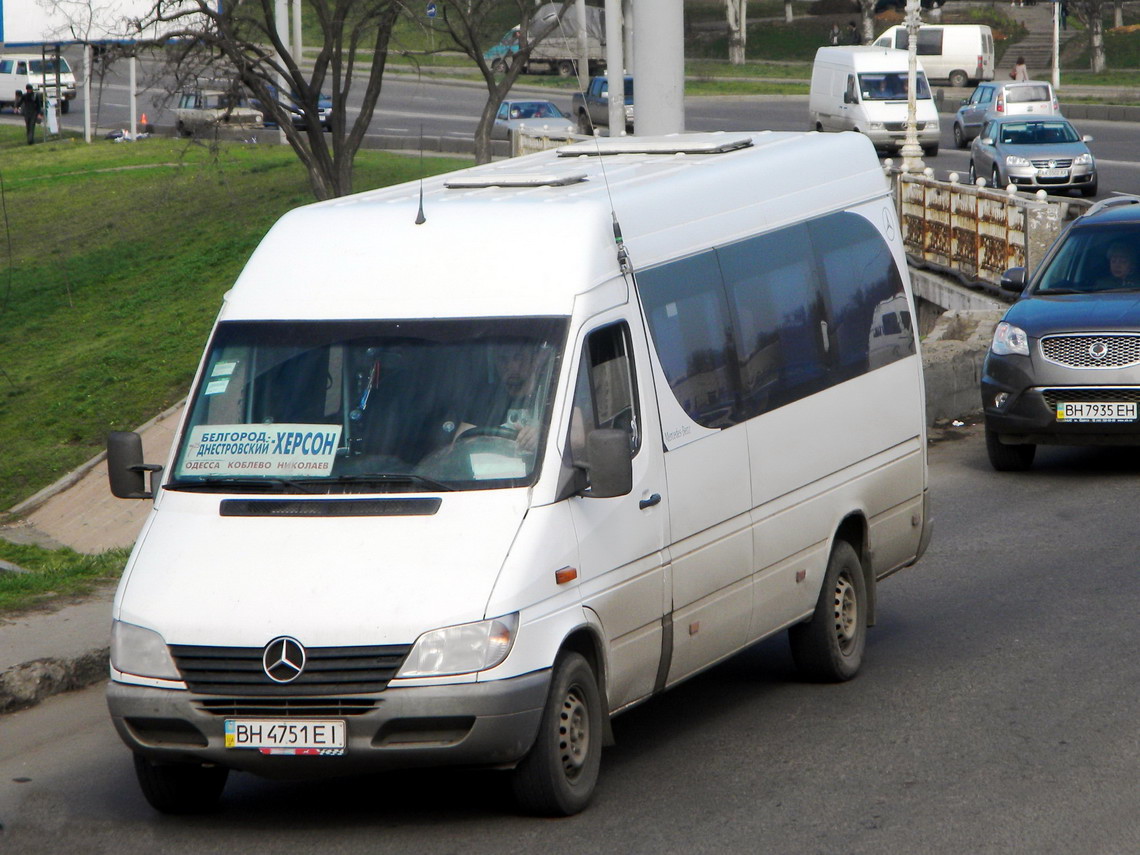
(1033, 153)
(1011, 98)
(535, 116)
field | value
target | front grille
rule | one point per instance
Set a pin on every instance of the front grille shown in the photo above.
(1096, 395)
(1077, 351)
(327, 671)
(287, 707)
(896, 127)
(1060, 163)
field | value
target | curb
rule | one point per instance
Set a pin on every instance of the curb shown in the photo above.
(25, 685)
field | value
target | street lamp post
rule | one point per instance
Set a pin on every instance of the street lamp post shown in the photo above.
(911, 151)
(1056, 45)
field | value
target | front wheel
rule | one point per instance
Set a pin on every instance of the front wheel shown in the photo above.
(1089, 190)
(566, 68)
(973, 173)
(995, 179)
(558, 776)
(180, 788)
(499, 66)
(1008, 458)
(930, 150)
(959, 78)
(959, 136)
(828, 648)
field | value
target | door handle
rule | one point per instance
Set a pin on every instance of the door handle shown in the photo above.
(655, 499)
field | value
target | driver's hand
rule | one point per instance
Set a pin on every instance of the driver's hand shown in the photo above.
(528, 438)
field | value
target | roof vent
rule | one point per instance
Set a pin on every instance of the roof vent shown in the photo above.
(513, 179)
(680, 144)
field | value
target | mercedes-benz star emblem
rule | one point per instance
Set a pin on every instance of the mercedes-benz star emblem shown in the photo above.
(1098, 350)
(283, 659)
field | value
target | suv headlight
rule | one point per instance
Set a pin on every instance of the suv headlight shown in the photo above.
(461, 649)
(1009, 340)
(1016, 160)
(142, 652)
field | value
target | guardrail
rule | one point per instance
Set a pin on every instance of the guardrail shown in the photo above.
(976, 232)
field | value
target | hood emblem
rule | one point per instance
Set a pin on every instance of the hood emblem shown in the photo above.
(1098, 350)
(283, 659)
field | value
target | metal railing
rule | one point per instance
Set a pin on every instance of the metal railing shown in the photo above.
(976, 232)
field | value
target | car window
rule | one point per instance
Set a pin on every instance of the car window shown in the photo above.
(1085, 260)
(987, 94)
(503, 111)
(1026, 94)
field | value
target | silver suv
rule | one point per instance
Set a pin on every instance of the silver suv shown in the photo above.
(1012, 98)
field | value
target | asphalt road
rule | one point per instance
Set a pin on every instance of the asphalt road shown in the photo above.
(995, 714)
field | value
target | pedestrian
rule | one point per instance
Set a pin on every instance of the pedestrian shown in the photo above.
(31, 106)
(852, 34)
(1064, 15)
(834, 37)
(1020, 72)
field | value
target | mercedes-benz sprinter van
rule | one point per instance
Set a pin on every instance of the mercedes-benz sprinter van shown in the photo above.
(429, 505)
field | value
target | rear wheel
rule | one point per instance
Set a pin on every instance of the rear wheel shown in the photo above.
(584, 123)
(558, 776)
(565, 68)
(180, 788)
(829, 647)
(65, 106)
(959, 78)
(499, 66)
(1008, 458)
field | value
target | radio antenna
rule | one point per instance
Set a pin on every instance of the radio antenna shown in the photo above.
(420, 218)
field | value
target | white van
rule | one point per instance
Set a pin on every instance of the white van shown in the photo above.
(864, 89)
(680, 445)
(17, 70)
(958, 54)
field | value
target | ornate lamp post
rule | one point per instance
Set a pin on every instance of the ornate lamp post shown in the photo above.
(911, 151)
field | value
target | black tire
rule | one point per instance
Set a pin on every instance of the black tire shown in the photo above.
(930, 150)
(829, 647)
(184, 131)
(180, 788)
(498, 66)
(557, 777)
(65, 106)
(584, 123)
(995, 179)
(1088, 190)
(1008, 458)
(959, 136)
(566, 68)
(959, 78)
(973, 173)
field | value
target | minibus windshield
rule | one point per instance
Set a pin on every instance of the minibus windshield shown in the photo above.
(371, 406)
(891, 86)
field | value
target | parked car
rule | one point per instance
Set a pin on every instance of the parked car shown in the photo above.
(1064, 365)
(203, 109)
(532, 115)
(1034, 153)
(297, 115)
(591, 109)
(1011, 98)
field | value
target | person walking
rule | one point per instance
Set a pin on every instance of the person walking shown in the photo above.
(1020, 72)
(31, 106)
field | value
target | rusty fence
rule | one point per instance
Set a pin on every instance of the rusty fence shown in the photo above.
(976, 232)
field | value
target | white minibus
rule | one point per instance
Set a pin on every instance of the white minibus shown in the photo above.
(864, 89)
(958, 54)
(541, 439)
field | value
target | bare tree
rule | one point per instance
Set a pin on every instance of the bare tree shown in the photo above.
(472, 26)
(737, 14)
(1091, 13)
(240, 38)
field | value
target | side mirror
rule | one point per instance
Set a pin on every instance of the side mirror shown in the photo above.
(610, 467)
(964, 102)
(1087, 138)
(986, 140)
(848, 98)
(1013, 280)
(125, 467)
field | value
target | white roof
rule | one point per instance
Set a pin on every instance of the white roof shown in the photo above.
(529, 248)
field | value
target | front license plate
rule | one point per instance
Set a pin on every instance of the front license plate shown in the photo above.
(1077, 411)
(1052, 173)
(286, 736)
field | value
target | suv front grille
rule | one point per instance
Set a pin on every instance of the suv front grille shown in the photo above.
(1096, 395)
(328, 670)
(1077, 351)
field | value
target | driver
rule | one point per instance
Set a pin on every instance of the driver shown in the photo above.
(518, 367)
(1121, 267)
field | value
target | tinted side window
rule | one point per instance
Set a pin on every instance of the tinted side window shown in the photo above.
(688, 319)
(5, 66)
(870, 323)
(929, 42)
(605, 395)
(779, 308)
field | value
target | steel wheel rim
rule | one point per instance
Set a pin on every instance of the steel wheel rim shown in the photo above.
(846, 613)
(573, 733)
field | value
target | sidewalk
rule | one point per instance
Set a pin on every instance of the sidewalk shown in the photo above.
(46, 652)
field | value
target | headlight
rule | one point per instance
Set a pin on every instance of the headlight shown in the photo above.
(461, 649)
(1015, 160)
(876, 126)
(1083, 159)
(141, 652)
(1009, 339)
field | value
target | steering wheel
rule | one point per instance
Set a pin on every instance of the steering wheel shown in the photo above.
(498, 431)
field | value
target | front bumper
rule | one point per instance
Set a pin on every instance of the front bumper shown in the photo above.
(1030, 177)
(473, 724)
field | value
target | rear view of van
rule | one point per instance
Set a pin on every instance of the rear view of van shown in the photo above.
(958, 54)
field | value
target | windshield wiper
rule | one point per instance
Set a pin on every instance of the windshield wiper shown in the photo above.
(393, 478)
(263, 485)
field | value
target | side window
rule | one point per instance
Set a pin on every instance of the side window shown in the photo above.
(21, 68)
(605, 395)
(5, 66)
(502, 111)
(852, 90)
(778, 303)
(987, 94)
(929, 41)
(870, 323)
(688, 319)
(901, 40)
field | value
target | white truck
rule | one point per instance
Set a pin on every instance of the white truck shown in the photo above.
(557, 48)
